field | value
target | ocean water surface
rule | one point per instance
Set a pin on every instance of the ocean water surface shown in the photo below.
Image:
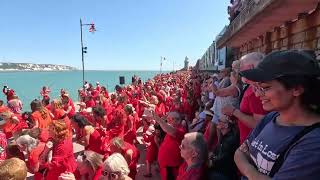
(27, 85)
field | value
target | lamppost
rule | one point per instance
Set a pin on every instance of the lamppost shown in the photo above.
(92, 29)
(161, 61)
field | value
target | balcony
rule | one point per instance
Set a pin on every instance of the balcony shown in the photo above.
(259, 16)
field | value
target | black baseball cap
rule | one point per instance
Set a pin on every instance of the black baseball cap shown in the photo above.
(284, 63)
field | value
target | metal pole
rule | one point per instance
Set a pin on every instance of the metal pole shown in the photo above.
(173, 65)
(160, 64)
(82, 54)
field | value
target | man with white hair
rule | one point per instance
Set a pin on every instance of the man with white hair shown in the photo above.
(194, 151)
(169, 153)
(251, 111)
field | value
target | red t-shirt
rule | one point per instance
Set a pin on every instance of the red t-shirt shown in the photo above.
(250, 104)
(169, 151)
(194, 173)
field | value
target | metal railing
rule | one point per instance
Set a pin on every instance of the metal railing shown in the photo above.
(248, 10)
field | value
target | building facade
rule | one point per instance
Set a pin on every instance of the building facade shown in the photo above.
(207, 61)
(270, 25)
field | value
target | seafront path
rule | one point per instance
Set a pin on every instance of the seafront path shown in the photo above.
(141, 165)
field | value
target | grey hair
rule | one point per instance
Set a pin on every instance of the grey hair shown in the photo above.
(252, 58)
(117, 163)
(175, 115)
(28, 141)
(199, 144)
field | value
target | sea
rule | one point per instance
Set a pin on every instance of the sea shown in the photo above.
(28, 84)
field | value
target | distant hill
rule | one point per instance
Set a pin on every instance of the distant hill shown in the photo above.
(5, 66)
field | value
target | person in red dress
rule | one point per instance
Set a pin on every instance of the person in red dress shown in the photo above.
(128, 151)
(98, 87)
(87, 135)
(195, 153)
(40, 115)
(104, 92)
(57, 112)
(169, 153)
(68, 105)
(153, 141)
(8, 92)
(62, 151)
(115, 127)
(33, 149)
(130, 127)
(89, 165)
(14, 123)
(99, 116)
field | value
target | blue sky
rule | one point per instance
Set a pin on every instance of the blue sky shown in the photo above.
(131, 34)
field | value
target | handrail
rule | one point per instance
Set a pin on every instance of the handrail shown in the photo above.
(248, 10)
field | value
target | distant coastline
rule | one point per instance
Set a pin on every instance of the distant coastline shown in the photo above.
(8, 66)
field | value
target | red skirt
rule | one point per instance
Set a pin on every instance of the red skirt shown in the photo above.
(152, 153)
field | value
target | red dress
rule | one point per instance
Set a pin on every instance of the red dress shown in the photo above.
(152, 149)
(98, 173)
(135, 158)
(11, 128)
(95, 142)
(130, 135)
(169, 152)
(61, 114)
(115, 129)
(62, 159)
(160, 109)
(33, 159)
(73, 109)
(43, 120)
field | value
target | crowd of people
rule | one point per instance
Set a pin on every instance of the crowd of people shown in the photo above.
(258, 119)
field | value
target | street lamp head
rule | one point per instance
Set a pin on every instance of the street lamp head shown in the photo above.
(92, 28)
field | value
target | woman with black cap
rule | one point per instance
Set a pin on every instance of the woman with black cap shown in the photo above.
(286, 143)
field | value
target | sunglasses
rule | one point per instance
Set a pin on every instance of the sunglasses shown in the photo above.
(112, 175)
(260, 90)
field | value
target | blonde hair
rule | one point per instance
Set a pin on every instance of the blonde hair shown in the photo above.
(117, 142)
(13, 168)
(117, 163)
(57, 104)
(60, 129)
(92, 158)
